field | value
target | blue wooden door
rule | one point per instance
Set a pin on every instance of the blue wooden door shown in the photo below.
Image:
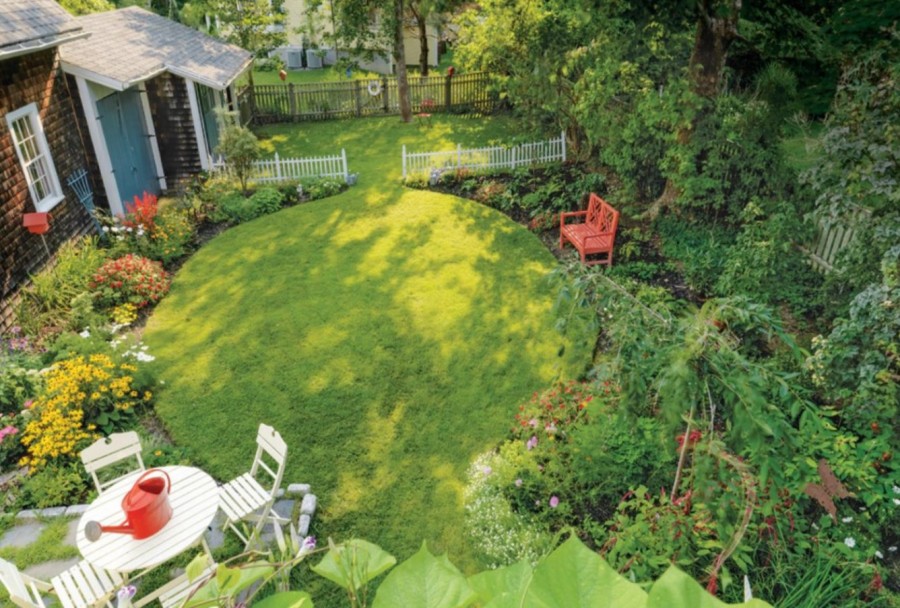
(125, 132)
(209, 101)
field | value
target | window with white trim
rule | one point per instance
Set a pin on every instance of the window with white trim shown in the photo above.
(34, 156)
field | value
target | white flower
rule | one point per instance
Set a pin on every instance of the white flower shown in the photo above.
(106, 229)
(892, 549)
(879, 555)
(896, 489)
(846, 520)
(850, 541)
(86, 333)
(897, 501)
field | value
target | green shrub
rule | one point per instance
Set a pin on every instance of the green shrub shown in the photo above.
(19, 365)
(614, 453)
(316, 188)
(700, 250)
(765, 264)
(47, 304)
(232, 207)
(55, 486)
(266, 200)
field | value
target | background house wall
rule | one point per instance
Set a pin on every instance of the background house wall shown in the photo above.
(23, 80)
(171, 112)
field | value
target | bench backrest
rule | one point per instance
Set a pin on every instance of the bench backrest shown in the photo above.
(602, 216)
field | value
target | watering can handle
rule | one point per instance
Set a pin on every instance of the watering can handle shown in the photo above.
(148, 471)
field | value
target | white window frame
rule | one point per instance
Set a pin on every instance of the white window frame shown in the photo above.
(54, 194)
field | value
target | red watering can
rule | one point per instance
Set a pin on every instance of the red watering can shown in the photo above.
(146, 506)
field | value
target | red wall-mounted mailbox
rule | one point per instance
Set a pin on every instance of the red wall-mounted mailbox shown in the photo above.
(37, 223)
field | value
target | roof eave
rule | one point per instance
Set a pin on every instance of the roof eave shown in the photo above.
(219, 86)
(107, 81)
(42, 44)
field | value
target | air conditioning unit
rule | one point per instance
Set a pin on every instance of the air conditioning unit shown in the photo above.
(294, 60)
(312, 59)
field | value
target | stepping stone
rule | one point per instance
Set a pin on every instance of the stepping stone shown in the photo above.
(47, 570)
(215, 537)
(284, 507)
(22, 535)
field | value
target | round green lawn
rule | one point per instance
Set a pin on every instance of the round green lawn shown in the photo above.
(387, 333)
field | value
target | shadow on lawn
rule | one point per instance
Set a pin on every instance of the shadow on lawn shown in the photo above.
(389, 343)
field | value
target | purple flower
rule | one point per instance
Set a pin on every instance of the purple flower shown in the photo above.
(308, 544)
(519, 482)
(532, 443)
(554, 502)
(487, 471)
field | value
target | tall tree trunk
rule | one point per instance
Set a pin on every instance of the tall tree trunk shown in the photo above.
(400, 60)
(423, 43)
(716, 30)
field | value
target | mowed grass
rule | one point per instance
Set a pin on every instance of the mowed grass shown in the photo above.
(389, 334)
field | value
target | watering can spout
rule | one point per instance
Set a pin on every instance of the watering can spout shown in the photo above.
(93, 530)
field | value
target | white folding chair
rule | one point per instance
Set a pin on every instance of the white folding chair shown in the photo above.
(81, 586)
(110, 451)
(177, 591)
(245, 498)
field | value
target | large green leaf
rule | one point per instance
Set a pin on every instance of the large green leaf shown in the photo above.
(425, 581)
(497, 584)
(575, 577)
(229, 582)
(675, 589)
(287, 599)
(354, 563)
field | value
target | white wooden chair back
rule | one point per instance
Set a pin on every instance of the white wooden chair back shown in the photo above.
(269, 443)
(109, 451)
(23, 590)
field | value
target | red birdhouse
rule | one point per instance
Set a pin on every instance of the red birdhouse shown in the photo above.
(37, 223)
(283, 75)
(450, 71)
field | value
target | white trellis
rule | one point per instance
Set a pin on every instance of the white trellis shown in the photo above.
(482, 159)
(277, 169)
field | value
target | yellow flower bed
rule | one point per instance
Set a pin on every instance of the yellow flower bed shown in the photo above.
(79, 394)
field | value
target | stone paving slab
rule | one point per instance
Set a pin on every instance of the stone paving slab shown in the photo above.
(71, 533)
(22, 535)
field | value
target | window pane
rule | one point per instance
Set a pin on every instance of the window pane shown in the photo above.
(35, 158)
(29, 149)
(38, 180)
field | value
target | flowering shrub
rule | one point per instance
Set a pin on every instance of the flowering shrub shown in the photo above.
(130, 279)
(500, 533)
(11, 448)
(80, 395)
(19, 365)
(141, 213)
(159, 234)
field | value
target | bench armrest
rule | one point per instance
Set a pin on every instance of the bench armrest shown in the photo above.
(563, 215)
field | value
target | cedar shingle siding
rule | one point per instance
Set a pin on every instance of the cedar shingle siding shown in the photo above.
(23, 80)
(171, 110)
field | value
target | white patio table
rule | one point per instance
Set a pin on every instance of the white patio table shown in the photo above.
(194, 497)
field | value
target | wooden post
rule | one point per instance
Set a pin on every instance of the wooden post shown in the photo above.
(358, 99)
(562, 137)
(344, 159)
(277, 167)
(448, 97)
(292, 101)
(404, 162)
(385, 95)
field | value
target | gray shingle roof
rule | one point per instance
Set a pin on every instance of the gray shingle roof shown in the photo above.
(27, 25)
(130, 45)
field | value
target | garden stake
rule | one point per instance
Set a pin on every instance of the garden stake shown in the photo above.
(684, 445)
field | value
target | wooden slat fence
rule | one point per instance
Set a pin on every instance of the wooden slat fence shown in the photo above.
(483, 159)
(277, 169)
(831, 237)
(321, 101)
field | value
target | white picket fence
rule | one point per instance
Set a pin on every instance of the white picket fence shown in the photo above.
(277, 169)
(482, 159)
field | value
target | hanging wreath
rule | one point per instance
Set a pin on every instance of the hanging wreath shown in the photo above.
(374, 88)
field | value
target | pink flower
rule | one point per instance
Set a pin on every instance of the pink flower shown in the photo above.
(554, 502)
(8, 430)
(519, 483)
(532, 443)
(533, 423)
(487, 471)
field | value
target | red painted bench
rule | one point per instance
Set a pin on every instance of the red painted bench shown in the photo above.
(595, 234)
